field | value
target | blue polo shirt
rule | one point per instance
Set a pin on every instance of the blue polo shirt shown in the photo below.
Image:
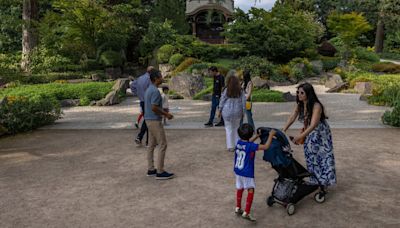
(152, 97)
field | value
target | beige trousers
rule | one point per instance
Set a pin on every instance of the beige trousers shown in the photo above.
(156, 137)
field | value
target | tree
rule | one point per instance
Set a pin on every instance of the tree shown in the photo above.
(388, 19)
(10, 26)
(174, 11)
(30, 15)
(348, 27)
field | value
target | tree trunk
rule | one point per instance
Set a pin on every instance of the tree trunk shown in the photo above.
(30, 14)
(380, 33)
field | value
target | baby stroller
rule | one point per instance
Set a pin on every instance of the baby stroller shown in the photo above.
(290, 186)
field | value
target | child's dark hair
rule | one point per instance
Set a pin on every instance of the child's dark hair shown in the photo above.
(245, 131)
(165, 88)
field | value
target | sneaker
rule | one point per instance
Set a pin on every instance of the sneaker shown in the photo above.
(238, 211)
(151, 173)
(137, 125)
(164, 176)
(208, 124)
(138, 142)
(248, 217)
(220, 124)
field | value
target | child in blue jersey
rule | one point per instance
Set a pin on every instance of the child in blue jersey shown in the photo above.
(245, 152)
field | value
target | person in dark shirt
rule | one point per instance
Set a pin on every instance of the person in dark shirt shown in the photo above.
(219, 84)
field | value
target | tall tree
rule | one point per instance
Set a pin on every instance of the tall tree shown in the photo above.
(174, 11)
(30, 15)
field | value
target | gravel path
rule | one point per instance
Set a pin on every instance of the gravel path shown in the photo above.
(344, 111)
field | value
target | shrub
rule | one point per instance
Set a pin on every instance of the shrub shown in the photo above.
(164, 53)
(300, 69)
(111, 59)
(363, 54)
(44, 60)
(184, 65)
(176, 59)
(25, 113)
(258, 66)
(90, 90)
(265, 95)
(199, 95)
(329, 63)
(392, 117)
(386, 67)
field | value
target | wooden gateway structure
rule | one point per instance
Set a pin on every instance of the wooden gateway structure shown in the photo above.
(207, 18)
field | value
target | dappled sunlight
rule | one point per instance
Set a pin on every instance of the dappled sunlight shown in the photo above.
(370, 111)
(17, 157)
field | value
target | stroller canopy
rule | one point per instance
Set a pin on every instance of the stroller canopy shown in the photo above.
(279, 153)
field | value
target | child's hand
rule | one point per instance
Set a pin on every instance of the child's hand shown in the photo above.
(272, 132)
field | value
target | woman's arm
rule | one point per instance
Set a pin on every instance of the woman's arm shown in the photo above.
(222, 101)
(250, 91)
(315, 118)
(291, 119)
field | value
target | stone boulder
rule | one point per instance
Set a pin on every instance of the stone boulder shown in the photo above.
(288, 97)
(333, 80)
(110, 99)
(95, 77)
(187, 84)
(260, 83)
(69, 102)
(338, 87)
(363, 87)
(165, 69)
(121, 84)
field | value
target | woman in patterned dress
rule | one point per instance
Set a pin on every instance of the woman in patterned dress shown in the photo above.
(316, 135)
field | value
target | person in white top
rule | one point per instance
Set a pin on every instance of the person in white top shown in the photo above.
(165, 104)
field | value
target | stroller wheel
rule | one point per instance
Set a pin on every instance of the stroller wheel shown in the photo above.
(270, 201)
(290, 209)
(319, 197)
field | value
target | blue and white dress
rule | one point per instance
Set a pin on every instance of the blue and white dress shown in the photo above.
(318, 151)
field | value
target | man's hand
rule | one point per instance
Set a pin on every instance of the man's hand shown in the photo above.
(169, 116)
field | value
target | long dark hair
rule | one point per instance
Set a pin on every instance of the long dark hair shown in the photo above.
(246, 78)
(311, 100)
(233, 87)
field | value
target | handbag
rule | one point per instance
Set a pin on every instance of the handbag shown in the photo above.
(248, 105)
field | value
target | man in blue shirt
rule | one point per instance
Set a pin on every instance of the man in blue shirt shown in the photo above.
(139, 87)
(153, 115)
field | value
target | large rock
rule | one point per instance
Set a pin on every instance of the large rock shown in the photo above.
(363, 87)
(260, 83)
(121, 84)
(288, 97)
(333, 80)
(187, 84)
(69, 102)
(110, 99)
(165, 69)
(339, 87)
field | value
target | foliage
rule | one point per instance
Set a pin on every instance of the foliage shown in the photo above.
(173, 11)
(386, 67)
(390, 55)
(266, 95)
(176, 59)
(111, 59)
(348, 27)
(329, 63)
(10, 26)
(184, 65)
(44, 60)
(164, 53)
(61, 91)
(258, 66)
(393, 117)
(200, 95)
(48, 77)
(392, 42)
(157, 34)
(25, 113)
(364, 54)
(279, 35)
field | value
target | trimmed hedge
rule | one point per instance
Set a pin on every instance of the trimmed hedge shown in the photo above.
(266, 95)
(60, 91)
(25, 113)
